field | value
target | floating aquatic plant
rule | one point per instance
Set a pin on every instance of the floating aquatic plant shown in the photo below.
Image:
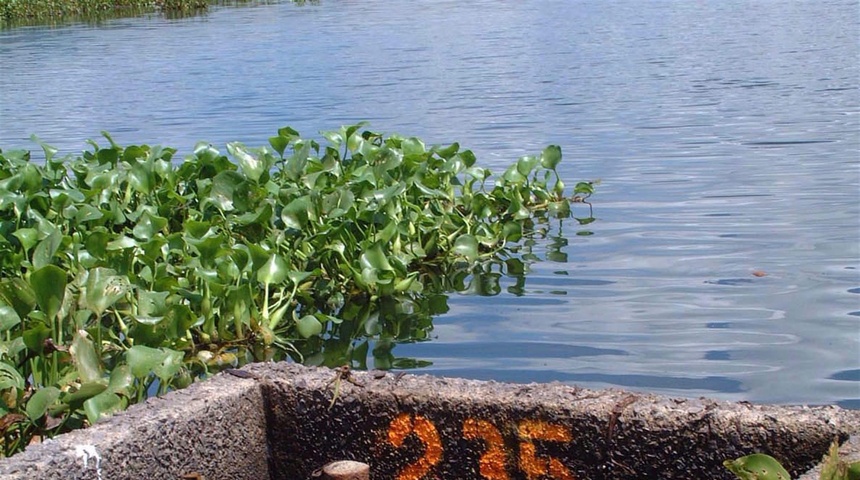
(125, 272)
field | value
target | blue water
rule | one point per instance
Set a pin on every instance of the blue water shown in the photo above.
(725, 133)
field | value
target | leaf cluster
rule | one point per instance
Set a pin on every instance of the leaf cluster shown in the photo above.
(125, 273)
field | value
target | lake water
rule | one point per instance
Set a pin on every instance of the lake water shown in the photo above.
(726, 135)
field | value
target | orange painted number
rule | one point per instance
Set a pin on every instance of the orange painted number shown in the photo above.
(531, 464)
(405, 425)
(492, 462)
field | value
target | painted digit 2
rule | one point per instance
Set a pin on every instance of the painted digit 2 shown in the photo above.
(406, 424)
(492, 462)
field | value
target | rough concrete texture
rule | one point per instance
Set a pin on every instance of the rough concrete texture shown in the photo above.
(278, 424)
(424, 427)
(215, 429)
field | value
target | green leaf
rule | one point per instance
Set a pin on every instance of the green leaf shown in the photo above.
(35, 336)
(27, 236)
(223, 188)
(466, 246)
(18, 294)
(121, 380)
(197, 229)
(279, 143)
(253, 166)
(164, 362)
(88, 213)
(274, 271)
(49, 287)
(114, 398)
(297, 277)
(550, 157)
(49, 150)
(87, 390)
(525, 165)
(37, 405)
(178, 319)
(103, 289)
(757, 466)
(142, 178)
(513, 176)
(559, 209)
(512, 231)
(10, 378)
(413, 146)
(295, 214)
(121, 243)
(8, 318)
(85, 357)
(148, 226)
(102, 405)
(586, 188)
(209, 247)
(96, 244)
(308, 326)
(151, 304)
(47, 248)
(374, 258)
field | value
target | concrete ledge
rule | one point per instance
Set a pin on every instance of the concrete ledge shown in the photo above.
(215, 429)
(278, 424)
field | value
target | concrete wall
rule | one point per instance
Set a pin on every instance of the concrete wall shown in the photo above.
(281, 424)
(215, 428)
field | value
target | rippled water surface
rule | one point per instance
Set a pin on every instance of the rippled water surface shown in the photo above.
(725, 133)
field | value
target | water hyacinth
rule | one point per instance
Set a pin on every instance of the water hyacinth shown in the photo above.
(126, 273)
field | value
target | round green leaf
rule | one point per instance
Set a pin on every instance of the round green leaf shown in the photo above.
(164, 362)
(274, 271)
(308, 326)
(104, 404)
(39, 402)
(466, 246)
(550, 157)
(526, 164)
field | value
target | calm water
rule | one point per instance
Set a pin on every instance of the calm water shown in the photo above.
(726, 135)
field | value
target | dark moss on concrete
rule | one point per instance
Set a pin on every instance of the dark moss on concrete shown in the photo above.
(612, 434)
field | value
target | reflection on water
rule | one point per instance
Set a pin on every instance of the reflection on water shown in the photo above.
(726, 147)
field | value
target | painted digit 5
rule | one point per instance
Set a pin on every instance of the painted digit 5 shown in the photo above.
(532, 465)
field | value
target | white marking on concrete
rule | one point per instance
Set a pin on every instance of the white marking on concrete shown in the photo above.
(89, 451)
